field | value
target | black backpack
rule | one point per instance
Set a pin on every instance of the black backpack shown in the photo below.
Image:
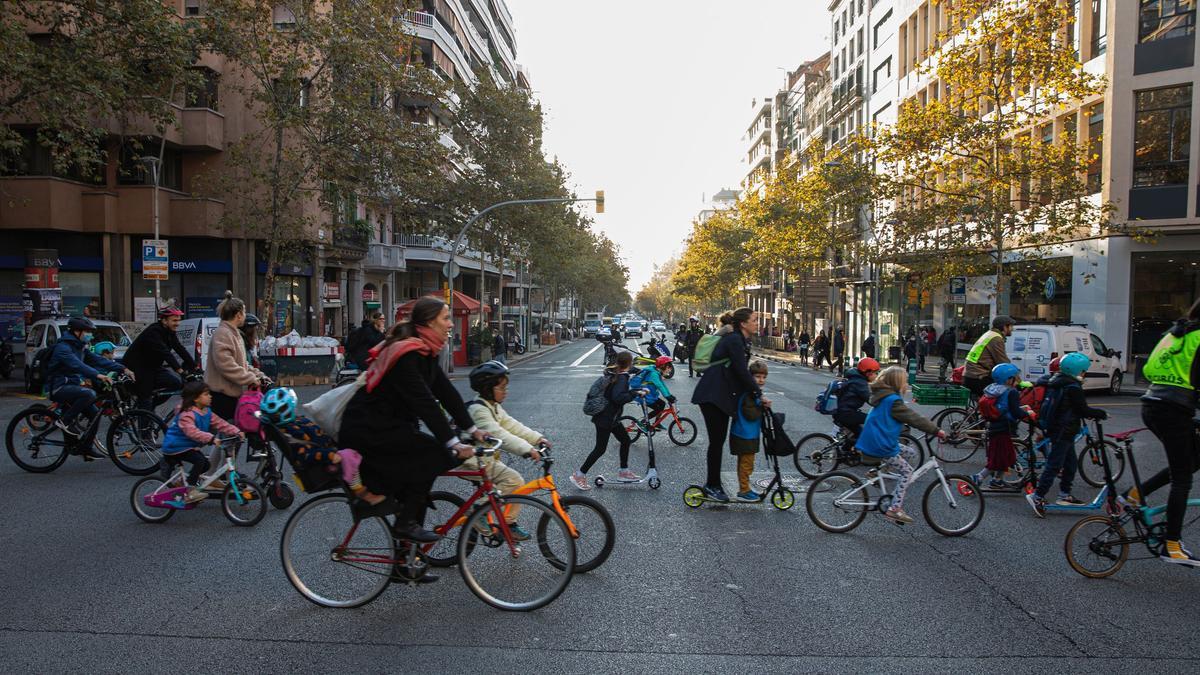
(41, 364)
(597, 396)
(775, 440)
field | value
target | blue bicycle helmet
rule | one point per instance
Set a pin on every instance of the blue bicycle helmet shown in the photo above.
(279, 405)
(101, 347)
(1002, 372)
(1074, 364)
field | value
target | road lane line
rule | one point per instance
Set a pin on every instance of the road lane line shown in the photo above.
(590, 352)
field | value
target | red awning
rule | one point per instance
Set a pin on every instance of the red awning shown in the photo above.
(463, 305)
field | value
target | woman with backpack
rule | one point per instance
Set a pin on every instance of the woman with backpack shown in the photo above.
(726, 378)
(229, 372)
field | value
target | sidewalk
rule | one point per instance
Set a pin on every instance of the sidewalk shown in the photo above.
(927, 377)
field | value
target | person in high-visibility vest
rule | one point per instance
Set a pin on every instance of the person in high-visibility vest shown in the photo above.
(987, 353)
(1168, 406)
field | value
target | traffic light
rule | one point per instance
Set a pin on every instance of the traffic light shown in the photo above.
(599, 201)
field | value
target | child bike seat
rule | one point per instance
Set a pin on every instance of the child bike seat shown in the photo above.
(869, 460)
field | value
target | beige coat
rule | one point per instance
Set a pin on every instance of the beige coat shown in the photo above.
(228, 373)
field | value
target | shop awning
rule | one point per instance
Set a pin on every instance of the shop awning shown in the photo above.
(463, 305)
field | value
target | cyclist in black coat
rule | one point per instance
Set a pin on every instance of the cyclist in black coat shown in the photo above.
(152, 357)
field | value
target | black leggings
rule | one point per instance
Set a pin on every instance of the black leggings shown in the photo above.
(602, 434)
(1173, 427)
(716, 425)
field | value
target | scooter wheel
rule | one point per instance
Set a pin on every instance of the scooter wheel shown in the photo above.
(654, 483)
(693, 496)
(599, 481)
(783, 499)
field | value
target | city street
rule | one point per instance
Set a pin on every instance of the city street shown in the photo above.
(89, 587)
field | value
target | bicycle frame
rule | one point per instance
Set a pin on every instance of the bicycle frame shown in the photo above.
(178, 479)
(880, 480)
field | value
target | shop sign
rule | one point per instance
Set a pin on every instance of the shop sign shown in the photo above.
(199, 308)
(1050, 288)
(155, 260)
(331, 290)
(370, 295)
(958, 290)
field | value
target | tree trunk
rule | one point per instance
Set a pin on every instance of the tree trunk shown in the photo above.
(273, 248)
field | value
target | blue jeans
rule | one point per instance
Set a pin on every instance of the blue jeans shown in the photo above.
(1062, 456)
(75, 399)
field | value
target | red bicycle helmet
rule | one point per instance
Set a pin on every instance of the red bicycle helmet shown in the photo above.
(168, 312)
(867, 365)
(1055, 364)
(661, 361)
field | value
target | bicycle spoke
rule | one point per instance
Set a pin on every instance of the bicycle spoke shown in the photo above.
(314, 548)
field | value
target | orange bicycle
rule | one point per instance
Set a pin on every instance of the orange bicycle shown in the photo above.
(681, 429)
(588, 523)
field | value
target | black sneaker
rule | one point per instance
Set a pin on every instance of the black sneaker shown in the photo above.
(1069, 500)
(414, 532)
(716, 493)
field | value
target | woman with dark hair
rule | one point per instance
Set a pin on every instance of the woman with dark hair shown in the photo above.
(404, 387)
(1168, 407)
(723, 382)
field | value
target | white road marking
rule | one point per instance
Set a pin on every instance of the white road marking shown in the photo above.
(590, 352)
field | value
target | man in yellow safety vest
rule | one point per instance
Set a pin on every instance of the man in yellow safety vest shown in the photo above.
(987, 353)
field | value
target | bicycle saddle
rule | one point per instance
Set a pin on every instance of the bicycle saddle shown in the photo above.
(1125, 434)
(869, 460)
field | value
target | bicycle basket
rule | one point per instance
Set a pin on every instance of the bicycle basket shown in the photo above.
(940, 394)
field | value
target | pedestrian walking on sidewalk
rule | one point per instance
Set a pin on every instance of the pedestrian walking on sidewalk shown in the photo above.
(947, 346)
(805, 342)
(837, 363)
(820, 349)
(869, 346)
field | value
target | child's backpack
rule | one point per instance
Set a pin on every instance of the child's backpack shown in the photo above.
(827, 399)
(41, 365)
(1032, 397)
(956, 375)
(994, 408)
(1049, 409)
(597, 396)
(702, 358)
(244, 416)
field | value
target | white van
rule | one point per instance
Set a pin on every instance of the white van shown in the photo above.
(1032, 347)
(195, 336)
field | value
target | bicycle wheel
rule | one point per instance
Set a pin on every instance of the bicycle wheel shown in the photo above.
(597, 533)
(682, 431)
(33, 442)
(444, 552)
(837, 501)
(910, 441)
(954, 508)
(243, 502)
(333, 561)
(1090, 468)
(281, 495)
(815, 455)
(134, 439)
(965, 436)
(633, 426)
(137, 499)
(516, 576)
(1096, 547)
(1022, 472)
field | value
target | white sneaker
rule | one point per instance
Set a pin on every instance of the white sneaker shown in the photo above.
(580, 481)
(66, 428)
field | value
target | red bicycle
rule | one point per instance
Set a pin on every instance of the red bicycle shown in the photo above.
(337, 558)
(681, 429)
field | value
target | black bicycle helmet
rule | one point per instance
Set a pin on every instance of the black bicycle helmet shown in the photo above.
(1001, 321)
(251, 321)
(486, 375)
(80, 323)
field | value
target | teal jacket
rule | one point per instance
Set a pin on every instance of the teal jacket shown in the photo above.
(651, 379)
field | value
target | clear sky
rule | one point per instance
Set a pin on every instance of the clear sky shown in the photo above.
(650, 101)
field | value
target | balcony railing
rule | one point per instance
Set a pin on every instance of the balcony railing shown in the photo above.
(384, 257)
(349, 237)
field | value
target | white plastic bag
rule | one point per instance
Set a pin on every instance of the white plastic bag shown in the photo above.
(327, 409)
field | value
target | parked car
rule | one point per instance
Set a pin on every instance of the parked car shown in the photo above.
(1032, 347)
(46, 332)
(195, 336)
(633, 328)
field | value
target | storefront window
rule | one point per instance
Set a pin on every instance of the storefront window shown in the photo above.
(1040, 290)
(80, 293)
(291, 304)
(1165, 284)
(12, 316)
(202, 293)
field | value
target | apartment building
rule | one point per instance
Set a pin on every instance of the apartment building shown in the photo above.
(760, 149)
(1127, 291)
(96, 225)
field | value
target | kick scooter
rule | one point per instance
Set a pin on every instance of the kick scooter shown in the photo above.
(651, 477)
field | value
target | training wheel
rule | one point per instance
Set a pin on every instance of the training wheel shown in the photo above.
(783, 499)
(599, 481)
(655, 483)
(693, 496)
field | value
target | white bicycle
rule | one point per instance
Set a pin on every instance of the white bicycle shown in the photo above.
(838, 501)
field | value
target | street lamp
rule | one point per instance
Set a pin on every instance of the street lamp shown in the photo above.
(153, 165)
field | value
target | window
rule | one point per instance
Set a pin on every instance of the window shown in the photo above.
(1098, 344)
(1162, 134)
(1095, 148)
(879, 25)
(882, 72)
(282, 17)
(132, 169)
(860, 41)
(193, 7)
(1166, 19)
(1099, 36)
(204, 93)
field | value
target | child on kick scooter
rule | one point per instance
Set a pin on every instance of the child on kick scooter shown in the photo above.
(490, 381)
(745, 432)
(616, 393)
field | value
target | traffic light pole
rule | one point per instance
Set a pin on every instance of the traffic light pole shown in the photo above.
(462, 234)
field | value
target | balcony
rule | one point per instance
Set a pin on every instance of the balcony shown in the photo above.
(384, 257)
(426, 27)
(203, 129)
(42, 202)
(350, 237)
(845, 96)
(196, 216)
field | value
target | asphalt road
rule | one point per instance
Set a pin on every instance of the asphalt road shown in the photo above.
(88, 587)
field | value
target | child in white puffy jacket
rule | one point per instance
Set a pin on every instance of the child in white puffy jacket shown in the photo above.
(490, 380)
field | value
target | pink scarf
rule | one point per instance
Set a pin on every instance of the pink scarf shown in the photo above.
(383, 356)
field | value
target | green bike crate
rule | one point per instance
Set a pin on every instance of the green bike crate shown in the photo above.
(940, 394)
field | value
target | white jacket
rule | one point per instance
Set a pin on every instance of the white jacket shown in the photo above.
(490, 418)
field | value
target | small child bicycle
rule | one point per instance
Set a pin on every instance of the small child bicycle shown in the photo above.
(155, 500)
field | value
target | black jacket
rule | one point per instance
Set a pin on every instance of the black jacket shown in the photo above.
(150, 351)
(947, 343)
(693, 336)
(721, 385)
(384, 423)
(855, 393)
(839, 343)
(361, 341)
(499, 345)
(868, 346)
(1071, 409)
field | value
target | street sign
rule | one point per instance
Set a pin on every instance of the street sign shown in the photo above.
(155, 260)
(958, 290)
(450, 270)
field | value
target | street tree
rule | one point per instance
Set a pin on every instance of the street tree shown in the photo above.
(983, 174)
(713, 263)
